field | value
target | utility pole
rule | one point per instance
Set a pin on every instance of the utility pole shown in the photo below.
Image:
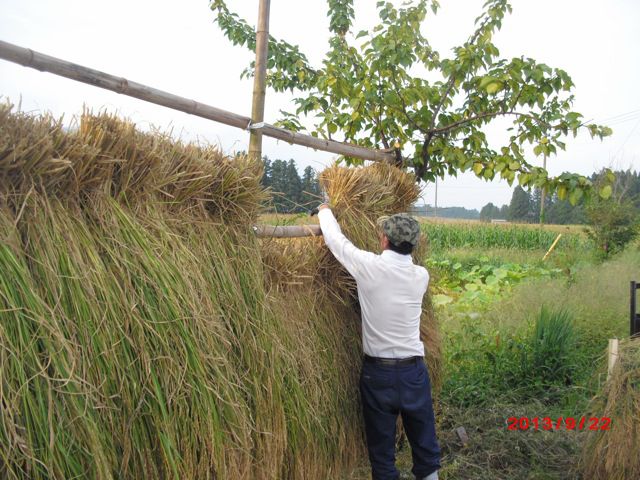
(435, 210)
(260, 78)
(544, 192)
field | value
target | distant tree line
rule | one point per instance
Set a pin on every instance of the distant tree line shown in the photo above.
(525, 205)
(291, 192)
(446, 212)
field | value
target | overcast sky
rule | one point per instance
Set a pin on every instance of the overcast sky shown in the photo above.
(174, 46)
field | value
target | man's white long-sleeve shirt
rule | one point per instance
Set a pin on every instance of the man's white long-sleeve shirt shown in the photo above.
(390, 289)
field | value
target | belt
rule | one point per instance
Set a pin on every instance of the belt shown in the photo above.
(392, 362)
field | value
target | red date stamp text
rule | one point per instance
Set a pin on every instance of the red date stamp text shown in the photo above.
(559, 423)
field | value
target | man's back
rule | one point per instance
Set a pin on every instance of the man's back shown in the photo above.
(390, 290)
(394, 379)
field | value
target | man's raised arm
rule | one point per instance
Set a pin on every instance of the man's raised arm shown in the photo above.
(351, 257)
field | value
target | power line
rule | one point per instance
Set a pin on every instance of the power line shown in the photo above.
(625, 120)
(628, 137)
(614, 117)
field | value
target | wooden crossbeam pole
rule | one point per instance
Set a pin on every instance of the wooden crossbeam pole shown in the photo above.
(73, 71)
(287, 231)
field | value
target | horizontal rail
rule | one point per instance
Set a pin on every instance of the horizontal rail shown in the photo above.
(346, 149)
(287, 231)
(46, 63)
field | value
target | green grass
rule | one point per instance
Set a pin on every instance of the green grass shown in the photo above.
(510, 358)
(495, 337)
(597, 294)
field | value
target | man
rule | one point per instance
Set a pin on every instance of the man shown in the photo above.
(394, 378)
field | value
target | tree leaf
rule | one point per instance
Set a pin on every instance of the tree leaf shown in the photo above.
(562, 192)
(441, 299)
(493, 87)
(605, 192)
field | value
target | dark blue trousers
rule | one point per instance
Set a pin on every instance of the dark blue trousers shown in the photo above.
(386, 392)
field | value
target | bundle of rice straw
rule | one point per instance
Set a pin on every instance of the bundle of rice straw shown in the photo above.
(359, 196)
(612, 454)
(145, 332)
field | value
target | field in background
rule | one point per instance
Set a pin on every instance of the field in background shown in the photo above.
(448, 234)
(445, 236)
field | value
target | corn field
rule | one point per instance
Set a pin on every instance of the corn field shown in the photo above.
(442, 236)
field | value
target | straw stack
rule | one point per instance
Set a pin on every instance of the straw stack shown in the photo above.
(612, 453)
(359, 196)
(146, 333)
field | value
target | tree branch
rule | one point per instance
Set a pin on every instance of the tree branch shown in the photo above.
(436, 112)
(404, 105)
(455, 125)
(452, 79)
(422, 169)
(383, 137)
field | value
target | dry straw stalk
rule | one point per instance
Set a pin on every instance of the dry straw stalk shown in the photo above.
(145, 332)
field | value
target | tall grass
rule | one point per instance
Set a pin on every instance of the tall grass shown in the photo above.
(596, 294)
(510, 348)
(552, 358)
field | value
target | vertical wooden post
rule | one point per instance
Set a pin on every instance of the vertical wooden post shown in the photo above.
(612, 356)
(260, 78)
(633, 316)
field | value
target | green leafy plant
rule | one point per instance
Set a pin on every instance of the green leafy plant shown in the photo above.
(476, 285)
(481, 363)
(551, 358)
(445, 236)
(367, 92)
(537, 360)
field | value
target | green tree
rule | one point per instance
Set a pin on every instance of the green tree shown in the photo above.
(613, 221)
(387, 87)
(561, 212)
(536, 206)
(520, 206)
(266, 175)
(310, 188)
(293, 191)
(489, 212)
(290, 193)
(279, 186)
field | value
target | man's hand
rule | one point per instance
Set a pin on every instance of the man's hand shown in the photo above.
(315, 211)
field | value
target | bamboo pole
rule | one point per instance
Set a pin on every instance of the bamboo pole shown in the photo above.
(260, 78)
(290, 231)
(553, 245)
(73, 71)
(346, 149)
